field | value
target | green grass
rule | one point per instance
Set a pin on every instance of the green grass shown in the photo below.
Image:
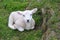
(8, 34)
(7, 6)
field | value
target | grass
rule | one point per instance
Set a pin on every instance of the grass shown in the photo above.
(8, 34)
(7, 6)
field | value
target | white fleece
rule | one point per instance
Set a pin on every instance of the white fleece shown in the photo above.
(16, 21)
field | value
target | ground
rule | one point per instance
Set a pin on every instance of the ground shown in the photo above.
(8, 34)
(7, 6)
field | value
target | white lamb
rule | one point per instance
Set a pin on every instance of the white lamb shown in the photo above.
(22, 20)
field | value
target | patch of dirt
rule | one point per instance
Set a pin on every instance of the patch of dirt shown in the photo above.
(48, 34)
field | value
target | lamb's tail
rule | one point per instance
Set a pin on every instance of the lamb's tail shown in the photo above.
(10, 22)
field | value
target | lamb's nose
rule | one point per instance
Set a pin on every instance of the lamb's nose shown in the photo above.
(27, 20)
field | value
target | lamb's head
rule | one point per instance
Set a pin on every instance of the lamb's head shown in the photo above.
(27, 15)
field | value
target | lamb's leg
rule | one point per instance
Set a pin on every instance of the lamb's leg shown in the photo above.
(27, 28)
(20, 29)
(33, 24)
(32, 27)
(10, 23)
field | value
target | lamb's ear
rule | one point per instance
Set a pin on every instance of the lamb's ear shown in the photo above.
(34, 10)
(20, 13)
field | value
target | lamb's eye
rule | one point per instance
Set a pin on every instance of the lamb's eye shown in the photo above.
(24, 15)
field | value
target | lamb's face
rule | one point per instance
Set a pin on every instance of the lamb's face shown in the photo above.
(27, 15)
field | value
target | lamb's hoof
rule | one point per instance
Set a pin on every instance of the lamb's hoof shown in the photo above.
(32, 28)
(21, 30)
(12, 28)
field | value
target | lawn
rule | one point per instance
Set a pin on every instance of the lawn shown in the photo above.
(8, 34)
(7, 6)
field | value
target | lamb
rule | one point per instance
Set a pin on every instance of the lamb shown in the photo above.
(21, 20)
